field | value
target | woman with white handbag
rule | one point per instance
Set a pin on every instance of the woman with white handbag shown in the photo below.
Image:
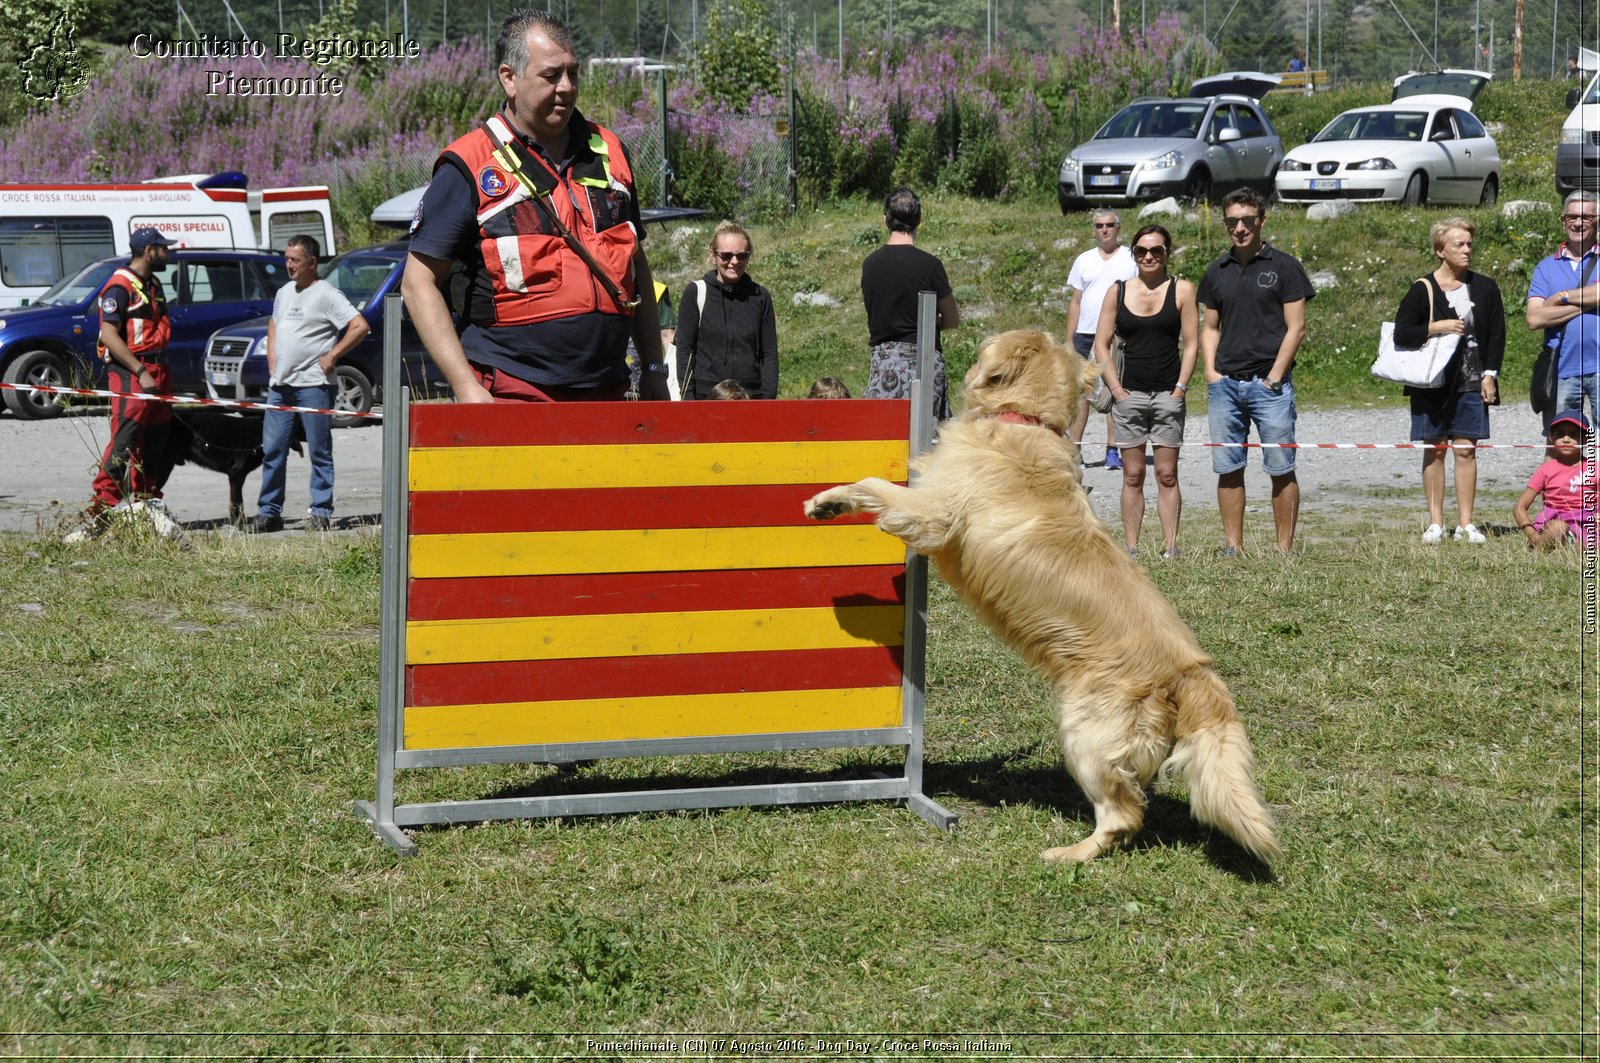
(1453, 301)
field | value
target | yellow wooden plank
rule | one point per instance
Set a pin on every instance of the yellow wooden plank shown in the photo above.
(654, 465)
(551, 638)
(673, 716)
(651, 550)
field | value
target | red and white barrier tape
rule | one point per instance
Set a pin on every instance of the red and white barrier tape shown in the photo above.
(239, 404)
(196, 400)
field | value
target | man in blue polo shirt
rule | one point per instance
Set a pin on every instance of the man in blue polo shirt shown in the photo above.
(1564, 300)
(1255, 317)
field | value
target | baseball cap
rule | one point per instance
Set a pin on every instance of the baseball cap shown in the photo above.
(143, 238)
(1571, 417)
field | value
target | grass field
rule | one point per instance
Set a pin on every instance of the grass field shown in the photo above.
(184, 733)
(182, 871)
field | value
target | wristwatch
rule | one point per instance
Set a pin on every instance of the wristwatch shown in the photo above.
(1274, 386)
(1564, 301)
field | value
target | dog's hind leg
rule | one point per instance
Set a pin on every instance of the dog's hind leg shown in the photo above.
(1111, 767)
(917, 517)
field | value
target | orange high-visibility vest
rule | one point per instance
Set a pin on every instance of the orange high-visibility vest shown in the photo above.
(146, 326)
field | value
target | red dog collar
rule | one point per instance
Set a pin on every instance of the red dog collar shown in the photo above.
(1021, 418)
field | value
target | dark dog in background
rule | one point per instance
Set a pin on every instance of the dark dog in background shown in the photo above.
(222, 440)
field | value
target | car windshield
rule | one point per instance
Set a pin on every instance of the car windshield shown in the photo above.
(1375, 125)
(1161, 118)
(70, 291)
(358, 276)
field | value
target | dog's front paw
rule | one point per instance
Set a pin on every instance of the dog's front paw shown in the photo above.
(825, 507)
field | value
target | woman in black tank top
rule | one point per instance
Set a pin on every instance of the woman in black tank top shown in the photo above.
(1156, 317)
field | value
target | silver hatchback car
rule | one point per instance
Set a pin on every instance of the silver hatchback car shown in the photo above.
(1213, 140)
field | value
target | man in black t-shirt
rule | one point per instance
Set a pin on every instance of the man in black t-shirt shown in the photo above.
(1255, 317)
(891, 279)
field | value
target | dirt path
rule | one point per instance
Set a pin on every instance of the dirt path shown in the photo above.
(46, 466)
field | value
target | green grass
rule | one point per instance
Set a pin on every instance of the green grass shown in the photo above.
(185, 734)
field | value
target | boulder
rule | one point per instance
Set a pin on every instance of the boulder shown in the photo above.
(1333, 208)
(1324, 279)
(822, 299)
(1161, 208)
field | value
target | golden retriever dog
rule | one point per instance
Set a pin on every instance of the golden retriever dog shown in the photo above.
(1000, 508)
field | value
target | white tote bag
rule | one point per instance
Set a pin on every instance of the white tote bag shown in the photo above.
(1418, 367)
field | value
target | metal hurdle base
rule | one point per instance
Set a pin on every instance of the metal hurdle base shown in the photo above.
(386, 830)
(392, 832)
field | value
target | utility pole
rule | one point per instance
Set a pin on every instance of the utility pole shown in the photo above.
(1516, 43)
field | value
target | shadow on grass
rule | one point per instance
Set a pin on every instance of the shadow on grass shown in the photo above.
(1020, 778)
(1016, 778)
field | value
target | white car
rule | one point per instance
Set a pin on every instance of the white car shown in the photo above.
(1424, 146)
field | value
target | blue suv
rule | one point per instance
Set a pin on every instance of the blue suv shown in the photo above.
(51, 341)
(236, 357)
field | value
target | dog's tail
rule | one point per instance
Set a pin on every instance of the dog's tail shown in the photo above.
(1213, 755)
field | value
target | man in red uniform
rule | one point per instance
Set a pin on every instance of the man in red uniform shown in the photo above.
(539, 204)
(134, 329)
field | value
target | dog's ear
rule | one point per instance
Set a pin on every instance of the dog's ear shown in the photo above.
(1001, 360)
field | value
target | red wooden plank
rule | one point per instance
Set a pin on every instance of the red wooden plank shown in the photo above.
(707, 673)
(601, 423)
(654, 592)
(591, 509)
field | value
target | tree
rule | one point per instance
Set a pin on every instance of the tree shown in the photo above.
(1254, 36)
(738, 55)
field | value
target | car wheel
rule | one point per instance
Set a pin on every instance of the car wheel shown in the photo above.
(1197, 189)
(352, 395)
(43, 368)
(1491, 192)
(1070, 204)
(1416, 191)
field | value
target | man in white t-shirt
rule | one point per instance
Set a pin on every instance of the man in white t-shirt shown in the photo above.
(1093, 274)
(313, 325)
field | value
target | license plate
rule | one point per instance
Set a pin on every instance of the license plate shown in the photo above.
(1102, 181)
(1330, 185)
(220, 378)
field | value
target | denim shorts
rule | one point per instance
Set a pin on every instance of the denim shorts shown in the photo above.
(1083, 343)
(1235, 405)
(1440, 413)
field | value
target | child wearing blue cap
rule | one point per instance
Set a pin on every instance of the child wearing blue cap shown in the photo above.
(1567, 482)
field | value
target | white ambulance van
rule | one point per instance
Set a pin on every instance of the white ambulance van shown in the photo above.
(49, 231)
(1578, 153)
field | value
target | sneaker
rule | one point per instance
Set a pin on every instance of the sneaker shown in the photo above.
(316, 522)
(1228, 553)
(1433, 535)
(161, 519)
(1170, 554)
(1133, 551)
(1113, 458)
(263, 522)
(1470, 534)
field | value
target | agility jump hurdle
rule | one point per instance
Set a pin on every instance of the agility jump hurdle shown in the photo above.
(601, 580)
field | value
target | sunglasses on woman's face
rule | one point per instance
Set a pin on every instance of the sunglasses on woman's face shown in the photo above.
(1150, 252)
(733, 256)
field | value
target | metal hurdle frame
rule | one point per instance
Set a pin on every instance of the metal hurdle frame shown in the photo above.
(388, 820)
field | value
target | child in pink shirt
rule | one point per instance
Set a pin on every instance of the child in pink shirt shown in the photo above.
(1568, 483)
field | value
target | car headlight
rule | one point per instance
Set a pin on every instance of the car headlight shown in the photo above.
(2, 322)
(1069, 165)
(1572, 136)
(1165, 162)
(1372, 164)
(1294, 164)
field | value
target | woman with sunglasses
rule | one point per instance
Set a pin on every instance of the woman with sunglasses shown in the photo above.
(1159, 322)
(726, 326)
